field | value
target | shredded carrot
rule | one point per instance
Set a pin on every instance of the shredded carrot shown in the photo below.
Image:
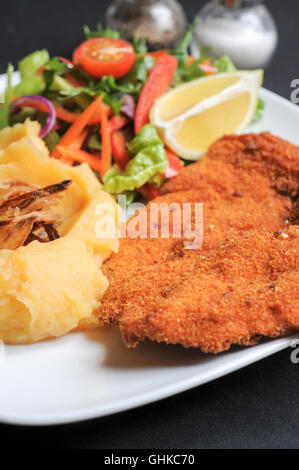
(81, 156)
(78, 126)
(79, 140)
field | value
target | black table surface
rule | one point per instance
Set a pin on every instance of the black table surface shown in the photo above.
(256, 407)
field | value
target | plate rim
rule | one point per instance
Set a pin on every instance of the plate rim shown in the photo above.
(259, 352)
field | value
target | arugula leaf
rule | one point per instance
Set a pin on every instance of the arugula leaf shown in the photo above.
(182, 50)
(259, 111)
(5, 107)
(101, 33)
(186, 73)
(108, 84)
(54, 67)
(139, 45)
(32, 62)
(114, 103)
(139, 72)
(148, 159)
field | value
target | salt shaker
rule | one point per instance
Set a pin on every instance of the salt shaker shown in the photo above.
(243, 29)
(161, 22)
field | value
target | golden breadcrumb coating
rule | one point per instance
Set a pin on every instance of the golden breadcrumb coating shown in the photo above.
(243, 283)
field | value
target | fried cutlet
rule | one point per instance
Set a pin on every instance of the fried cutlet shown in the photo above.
(246, 288)
(220, 294)
(250, 163)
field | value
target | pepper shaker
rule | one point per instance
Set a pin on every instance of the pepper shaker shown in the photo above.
(243, 29)
(161, 22)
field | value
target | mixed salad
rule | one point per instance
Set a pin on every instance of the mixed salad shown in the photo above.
(95, 108)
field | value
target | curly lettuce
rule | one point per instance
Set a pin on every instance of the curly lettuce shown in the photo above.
(148, 159)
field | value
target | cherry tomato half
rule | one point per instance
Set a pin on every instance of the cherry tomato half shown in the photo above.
(105, 56)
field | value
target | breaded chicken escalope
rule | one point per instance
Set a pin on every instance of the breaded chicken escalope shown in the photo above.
(250, 163)
(246, 288)
(243, 282)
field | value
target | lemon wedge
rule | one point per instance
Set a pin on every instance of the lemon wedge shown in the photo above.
(192, 116)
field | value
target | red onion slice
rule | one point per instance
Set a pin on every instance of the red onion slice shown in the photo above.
(129, 106)
(52, 112)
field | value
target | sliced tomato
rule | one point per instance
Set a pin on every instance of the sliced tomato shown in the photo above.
(105, 56)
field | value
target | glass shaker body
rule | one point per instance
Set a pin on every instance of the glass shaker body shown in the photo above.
(246, 32)
(161, 22)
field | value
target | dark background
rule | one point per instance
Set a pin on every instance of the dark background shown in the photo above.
(257, 407)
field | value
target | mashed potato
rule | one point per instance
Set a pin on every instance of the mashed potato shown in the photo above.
(49, 289)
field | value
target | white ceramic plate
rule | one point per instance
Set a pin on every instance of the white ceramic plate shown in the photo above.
(88, 375)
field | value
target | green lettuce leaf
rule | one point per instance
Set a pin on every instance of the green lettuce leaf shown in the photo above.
(148, 159)
(33, 85)
(224, 64)
(259, 112)
(32, 62)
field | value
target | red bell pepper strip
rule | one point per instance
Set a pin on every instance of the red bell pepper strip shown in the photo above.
(117, 122)
(119, 151)
(157, 84)
(175, 164)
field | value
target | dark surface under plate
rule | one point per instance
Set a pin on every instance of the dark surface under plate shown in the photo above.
(257, 407)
